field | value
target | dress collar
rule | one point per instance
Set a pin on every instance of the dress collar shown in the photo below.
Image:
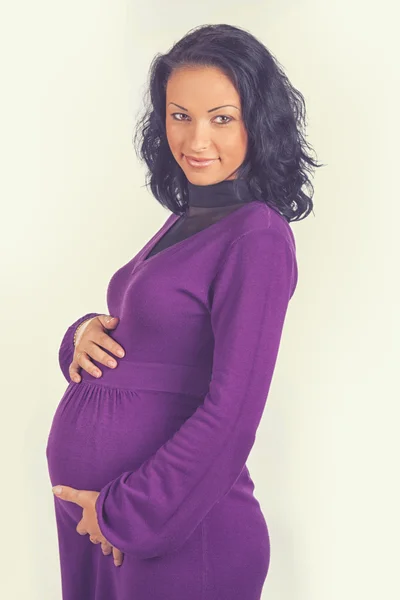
(218, 194)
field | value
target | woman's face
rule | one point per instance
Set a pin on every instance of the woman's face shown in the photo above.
(195, 129)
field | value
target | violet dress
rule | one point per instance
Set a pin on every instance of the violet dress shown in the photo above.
(164, 437)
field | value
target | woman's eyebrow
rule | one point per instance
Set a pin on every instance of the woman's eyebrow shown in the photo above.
(211, 109)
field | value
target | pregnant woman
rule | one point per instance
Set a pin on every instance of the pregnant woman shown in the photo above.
(158, 503)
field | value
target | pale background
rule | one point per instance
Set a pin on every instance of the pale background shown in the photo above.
(325, 463)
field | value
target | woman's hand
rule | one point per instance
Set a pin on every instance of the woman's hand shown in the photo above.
(88, 342)
(89, 524)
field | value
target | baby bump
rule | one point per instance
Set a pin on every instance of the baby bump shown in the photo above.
(99, 432)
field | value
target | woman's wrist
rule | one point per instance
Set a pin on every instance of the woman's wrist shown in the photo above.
(80, 329)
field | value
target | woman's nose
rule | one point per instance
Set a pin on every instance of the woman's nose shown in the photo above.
(200, 138)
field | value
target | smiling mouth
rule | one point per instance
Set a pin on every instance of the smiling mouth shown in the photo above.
(200, 163)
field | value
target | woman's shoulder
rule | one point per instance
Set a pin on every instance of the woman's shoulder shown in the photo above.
(259, 234)
(262, 217)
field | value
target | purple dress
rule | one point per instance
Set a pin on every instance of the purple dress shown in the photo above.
(164, 437)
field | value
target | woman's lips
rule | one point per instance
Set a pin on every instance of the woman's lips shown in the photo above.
(199, 164)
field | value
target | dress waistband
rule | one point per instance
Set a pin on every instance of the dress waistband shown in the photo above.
(154, 376)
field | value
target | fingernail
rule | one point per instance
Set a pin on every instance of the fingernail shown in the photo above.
(57, 489)
(109, 319)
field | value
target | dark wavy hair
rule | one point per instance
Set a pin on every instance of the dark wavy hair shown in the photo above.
(276, 165)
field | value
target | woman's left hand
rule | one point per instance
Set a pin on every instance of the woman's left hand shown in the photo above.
(89, 524)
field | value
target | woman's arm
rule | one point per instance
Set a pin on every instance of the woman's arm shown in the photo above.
(67, 348)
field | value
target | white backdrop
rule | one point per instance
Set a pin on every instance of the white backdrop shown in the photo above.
(325, 463)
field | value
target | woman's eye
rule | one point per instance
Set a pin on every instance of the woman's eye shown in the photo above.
(224, 117)
(218, 117)
(175, 114)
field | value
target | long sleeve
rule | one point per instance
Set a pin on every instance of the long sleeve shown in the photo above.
(153, 510)
(66, 350)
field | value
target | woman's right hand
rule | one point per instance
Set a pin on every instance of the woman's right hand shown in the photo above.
(90, 343)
